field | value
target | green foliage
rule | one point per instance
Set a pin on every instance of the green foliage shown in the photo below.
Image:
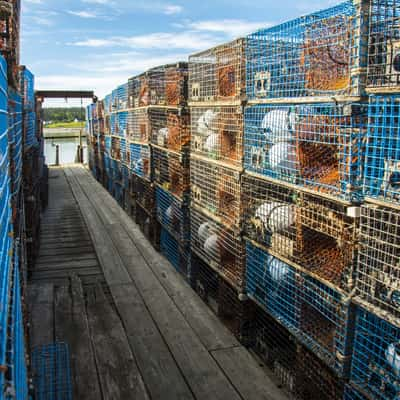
(79, 124)
(67, 114)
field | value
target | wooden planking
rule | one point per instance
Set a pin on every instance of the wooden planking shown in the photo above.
(246, 375)
(65, 264)
(71, 326)
(41, 314)
(158, 368)
(200, 370)
(118, 372)
(207, 326)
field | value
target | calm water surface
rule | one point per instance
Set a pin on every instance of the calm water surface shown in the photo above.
(68, 149)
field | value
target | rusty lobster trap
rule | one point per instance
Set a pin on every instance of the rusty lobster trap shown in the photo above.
(217, 133)
(171, 171)
(375, 368)
(317, 146)
(221, 247)
(138, 125)
(217, 190)
(233, 309)
(317, 315)
(378, 272)
(383, 71)
(165, 85)
(169, 128)
(144, 193)
(218, 73)
(116, 148)
(313, 55)
(317, 234)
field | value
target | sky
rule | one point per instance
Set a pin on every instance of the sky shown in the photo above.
(99, 44)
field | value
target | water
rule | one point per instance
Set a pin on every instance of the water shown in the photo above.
(68, 149)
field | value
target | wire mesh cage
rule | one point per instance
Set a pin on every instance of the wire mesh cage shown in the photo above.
(173, 215)
(144, 193)
(350, 393)
(218, 73)
(313, 232)
(140, 160)
(313, 55)
(165, 85)
(116, 148)
(121, 98)
(378, 271)
(318, 316)
(148, 225)
(107, 144)
(170, 171)
(176, 254)
(99, 106)
(217, 190)
(121, 128)
(275, 347)
(125, 152)
(316, 146)
(376, 358)
(384, 45)
(220, 247)
(382, 161)
(217, 133)
(27, 85)
(52, 372)
(222, 298)
(314, 381)
(169, 128)
(138, 126)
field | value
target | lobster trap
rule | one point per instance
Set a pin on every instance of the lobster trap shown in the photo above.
(173, 215)
(138, 127)
(169, 128)
(217, 133)
(165, 85)
(314, 55)
(140, 160)
(125, 152)
(144, 193)
(350, 393)
(170, 171)
(383, 72)
(116, 148)
(376, 359)
(120, 98)
(378, 272)
(315, 233)
(275, 347)
(220, 247)
(317, 146)
(148, 224)
(218, 73)
(314, 380)
(217, 190)
(176, 253)
(382, 161)
(222, 298)
(318, 316)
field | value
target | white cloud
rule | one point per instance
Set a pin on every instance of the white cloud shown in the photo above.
(172, 9)
(180, 40)
(83, 14)
(229, 27)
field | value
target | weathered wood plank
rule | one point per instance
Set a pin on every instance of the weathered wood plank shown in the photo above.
(71, 326)
(246, 375)
(119, 374)
(74, 261)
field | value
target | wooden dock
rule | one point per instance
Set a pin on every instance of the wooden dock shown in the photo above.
(135, 329)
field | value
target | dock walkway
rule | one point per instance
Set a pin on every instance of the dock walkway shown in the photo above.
(134, 327)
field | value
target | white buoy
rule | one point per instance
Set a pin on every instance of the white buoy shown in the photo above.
(212, 143)
(393, 357)
(204, 231)
(278, 125)
(205, 122)
(282, 158)
(278, 270)
(276, 216)
(211, 245)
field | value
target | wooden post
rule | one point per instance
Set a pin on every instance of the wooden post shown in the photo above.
(57, 154)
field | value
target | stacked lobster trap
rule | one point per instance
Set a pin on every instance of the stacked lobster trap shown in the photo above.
(305, 129)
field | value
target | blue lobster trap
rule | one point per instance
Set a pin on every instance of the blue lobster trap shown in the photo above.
(350, 393)
(383, 73)
(317, 146)
(125, 153)
(140, 160)
(382, 160)
(376, 358)
(30, 130)
(122, 97)
(312, 55)
(378, 268)
(107, 145)
(27, 82)
(51, 367)
(317, 315)
(122, 124)
(114, 124)
(138, 126)
(177, 255)
(173, 215)
(107, 104)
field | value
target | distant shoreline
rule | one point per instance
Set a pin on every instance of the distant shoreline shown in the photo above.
(63, 133)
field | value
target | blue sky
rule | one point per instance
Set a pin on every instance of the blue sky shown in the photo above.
(98, 44)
